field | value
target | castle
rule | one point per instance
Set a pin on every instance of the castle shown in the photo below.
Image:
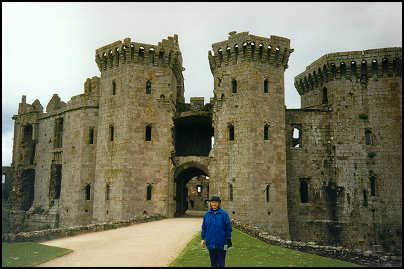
(328, 172)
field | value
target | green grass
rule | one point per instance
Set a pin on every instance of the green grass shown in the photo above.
(248, 251)
(28, 254)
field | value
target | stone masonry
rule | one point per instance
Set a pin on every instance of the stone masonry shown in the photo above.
(329, 172)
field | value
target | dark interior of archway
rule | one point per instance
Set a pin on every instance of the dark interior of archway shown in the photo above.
(181, 181)
(193, 136)
(28, 184)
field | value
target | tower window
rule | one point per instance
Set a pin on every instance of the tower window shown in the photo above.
(265, 86)
(231, 132)
(266, 132)
(91, 135)
(148, 87)
(304, 190)
(267, 193)
(234, 86)
(372, 186)
(88, 191)
(365, 198)
(368, 137)
(113, 87)
(325, 96)
(230, 192)
(148, 133)
(149, 192)
(108, 192)
(111, 133)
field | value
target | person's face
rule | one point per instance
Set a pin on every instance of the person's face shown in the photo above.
(214, 205)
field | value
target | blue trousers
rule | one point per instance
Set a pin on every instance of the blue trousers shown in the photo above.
(217, 257)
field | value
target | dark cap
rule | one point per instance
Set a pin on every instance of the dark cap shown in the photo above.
(215, 198)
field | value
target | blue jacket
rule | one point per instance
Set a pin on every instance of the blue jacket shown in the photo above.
(216, 229)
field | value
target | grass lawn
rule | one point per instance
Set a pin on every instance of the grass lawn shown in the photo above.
(249, 252)
(28, 254)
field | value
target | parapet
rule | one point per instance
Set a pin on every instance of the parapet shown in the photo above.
(27, 108)
(245, 47)
(348, 65)
(166, 53)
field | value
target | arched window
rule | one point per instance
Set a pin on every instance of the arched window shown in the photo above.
(385, 62)
(325, 96)
(149, 192)
(231, 132)
(148, 133)
(148, 87)
(267, 193)
(368, 137)
(88, 192)
(266, 86)
(230, 192)
(234, 86)
(266, 132)
(113, 87)
(353, 67)
(374, 65)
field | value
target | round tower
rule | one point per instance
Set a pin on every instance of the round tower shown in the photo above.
(140, 86)
(249, 165)
(362, 91)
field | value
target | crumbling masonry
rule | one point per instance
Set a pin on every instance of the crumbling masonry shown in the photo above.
(328, 172)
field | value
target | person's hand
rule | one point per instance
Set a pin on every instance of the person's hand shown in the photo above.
(203, 243)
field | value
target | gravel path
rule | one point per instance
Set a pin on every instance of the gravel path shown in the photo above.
(154, 243)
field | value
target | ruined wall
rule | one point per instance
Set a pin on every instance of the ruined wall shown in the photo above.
(364, 99)
(140, 86)
(249, 163)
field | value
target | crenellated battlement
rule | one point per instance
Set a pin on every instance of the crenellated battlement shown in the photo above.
(243, 47)
(166, 53)
(349, 65)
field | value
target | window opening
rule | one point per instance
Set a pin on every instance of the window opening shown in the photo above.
(111, 133)
(113, 87)
(325, 96)
(91, 135)
(231, 132)
(266, 130)
(372, 186)
(267, 193)
(108, 192)
(365, 198)
(230, 192)
(148, 87)
(304, 190)
(148, 133)
(149, 192)
(234, 86)
(58, 142)
(265, 86)
(368, 137)
(296, 138)
(88, 191)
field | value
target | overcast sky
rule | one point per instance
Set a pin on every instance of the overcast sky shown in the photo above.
(49, 48)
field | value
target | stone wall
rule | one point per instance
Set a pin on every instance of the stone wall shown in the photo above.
(50, 234)
(358, 256)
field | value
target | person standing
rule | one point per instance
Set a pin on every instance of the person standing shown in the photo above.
(216, 232)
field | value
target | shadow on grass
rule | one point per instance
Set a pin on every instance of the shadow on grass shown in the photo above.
(248, 251)
(28, 254)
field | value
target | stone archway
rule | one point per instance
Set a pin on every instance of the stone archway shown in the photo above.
(189, 168)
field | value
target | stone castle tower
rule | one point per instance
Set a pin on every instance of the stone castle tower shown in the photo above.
(329, 172)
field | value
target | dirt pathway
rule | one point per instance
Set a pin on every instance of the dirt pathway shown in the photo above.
(154, 243)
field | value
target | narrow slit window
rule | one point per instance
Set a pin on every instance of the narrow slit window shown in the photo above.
(267, 193)
(108, 192)
(304, 191)
(230, 192)
(325, 96)
(111, 133)
(148, 133)
(365, 198)
(372, 185)
(234, 86)
(231, 132)
(368, 137)
(148, 87)
(266, 132)
(266, 86)
(91, 136)
(149, 192)
(113, 87)
(88, 192)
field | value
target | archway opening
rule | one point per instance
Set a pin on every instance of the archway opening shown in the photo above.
(191, 189)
